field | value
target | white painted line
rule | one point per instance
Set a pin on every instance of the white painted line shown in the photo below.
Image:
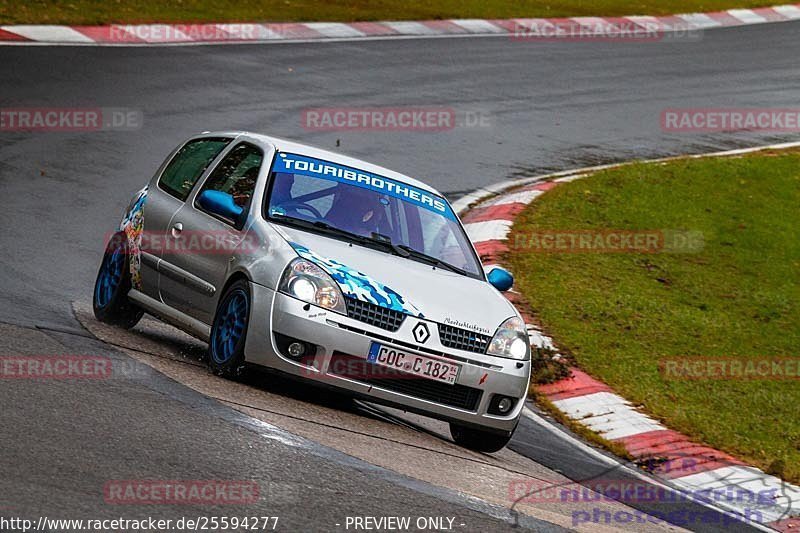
(646, 20)
(158, 33)
(533, 27)
(478, 26)
(488, 231)
(567, 179)
(522, 197)
(608, 414)
(790, 12)
(564, 175)
(282, 41)
(658, 24)
(262, 31)
(622, 424)
(635, 421)
(747, 481)
(410, 28)
(468, 199)
(334, 29)
(592, 22)
(52, 34)
(43, 35)
(700, 20)
(747, 16)
(597, 403)
(591, 451)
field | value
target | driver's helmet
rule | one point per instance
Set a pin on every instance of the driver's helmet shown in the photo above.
(357, 209)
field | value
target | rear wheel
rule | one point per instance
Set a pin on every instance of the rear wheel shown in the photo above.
(229, 332)
(110, 301)
(477, 440)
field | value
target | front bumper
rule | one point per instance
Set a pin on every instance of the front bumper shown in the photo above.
(342, 341)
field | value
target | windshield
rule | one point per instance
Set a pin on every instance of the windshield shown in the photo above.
(306, 191)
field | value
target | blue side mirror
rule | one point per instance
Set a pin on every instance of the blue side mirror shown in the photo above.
(220, 203)
(500, 279)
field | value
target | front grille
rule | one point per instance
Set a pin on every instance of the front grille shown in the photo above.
(374, 315)
(462, 339)
(456, 395)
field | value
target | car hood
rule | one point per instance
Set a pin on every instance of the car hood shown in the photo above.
(404, 285)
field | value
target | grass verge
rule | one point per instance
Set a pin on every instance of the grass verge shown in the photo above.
(618, 314)
(140, 11)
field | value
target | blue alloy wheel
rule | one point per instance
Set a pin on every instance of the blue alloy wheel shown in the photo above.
(230, 326)
(110, 277)
(110, 296)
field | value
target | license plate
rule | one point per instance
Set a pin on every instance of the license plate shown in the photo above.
(414, 364)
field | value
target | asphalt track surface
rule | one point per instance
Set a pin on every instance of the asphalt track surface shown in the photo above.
(550, 106)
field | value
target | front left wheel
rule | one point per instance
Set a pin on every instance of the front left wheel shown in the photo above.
(110, 299)
(229, 331)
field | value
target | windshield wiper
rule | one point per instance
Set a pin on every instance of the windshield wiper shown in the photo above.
(324, 227)
(386, 240)
(435, 261)
(404, 250)
(383, 241)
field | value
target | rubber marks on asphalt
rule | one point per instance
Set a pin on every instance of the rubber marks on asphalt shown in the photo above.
(666, 453)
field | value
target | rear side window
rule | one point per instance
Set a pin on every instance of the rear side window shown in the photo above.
(189, 164)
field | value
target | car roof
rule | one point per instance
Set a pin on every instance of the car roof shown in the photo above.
(285, 145)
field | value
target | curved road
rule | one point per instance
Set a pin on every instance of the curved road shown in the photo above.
(549, 106)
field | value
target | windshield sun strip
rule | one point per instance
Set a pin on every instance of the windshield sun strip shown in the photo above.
(332, 231)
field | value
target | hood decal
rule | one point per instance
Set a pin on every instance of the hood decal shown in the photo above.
(133, 224)
(358, 285)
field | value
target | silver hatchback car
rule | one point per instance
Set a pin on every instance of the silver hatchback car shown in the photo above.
(326, 268)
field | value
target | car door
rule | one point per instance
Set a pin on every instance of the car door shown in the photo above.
(200, 244)
(173, 186)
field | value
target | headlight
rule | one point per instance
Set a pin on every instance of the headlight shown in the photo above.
(511, 340)
(307, 282)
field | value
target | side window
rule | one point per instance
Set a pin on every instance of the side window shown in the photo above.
(188, 165)
(237, 173)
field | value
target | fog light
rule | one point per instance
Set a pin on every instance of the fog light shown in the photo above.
(505, 405)
(296, 349)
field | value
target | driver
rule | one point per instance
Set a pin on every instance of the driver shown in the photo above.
(358, 210)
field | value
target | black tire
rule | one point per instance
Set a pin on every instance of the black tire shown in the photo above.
(110, 296)
(226, 354)
(477, 440)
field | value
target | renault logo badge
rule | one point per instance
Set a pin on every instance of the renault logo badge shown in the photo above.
(421, 333)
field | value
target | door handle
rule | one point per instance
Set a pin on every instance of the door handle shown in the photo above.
(177, 229)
